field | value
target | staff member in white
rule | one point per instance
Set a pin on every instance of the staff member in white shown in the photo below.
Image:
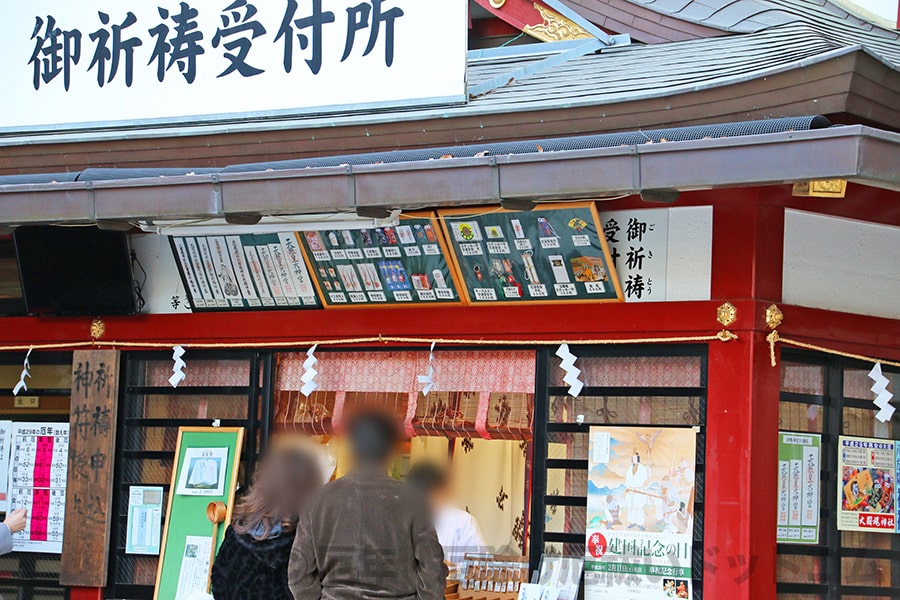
(457, 530)
(14, 523)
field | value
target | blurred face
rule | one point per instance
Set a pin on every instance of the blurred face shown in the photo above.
(440, 497)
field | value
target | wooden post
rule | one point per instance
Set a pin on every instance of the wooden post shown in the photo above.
(92, 444)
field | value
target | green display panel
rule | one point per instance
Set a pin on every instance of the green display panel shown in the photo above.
(555, 253)
(205, 471)
(395, 266)
(262, 271)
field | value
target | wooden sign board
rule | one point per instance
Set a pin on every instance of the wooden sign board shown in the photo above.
(205, 471)
(92, 444)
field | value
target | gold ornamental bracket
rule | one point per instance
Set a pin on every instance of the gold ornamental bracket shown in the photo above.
(726, 315)
(555, 28)
(821, 188)
(98, 329)
(774, 318)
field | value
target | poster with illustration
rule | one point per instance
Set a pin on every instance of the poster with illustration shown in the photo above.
(867, 484)
(640, 513)
(203, 473)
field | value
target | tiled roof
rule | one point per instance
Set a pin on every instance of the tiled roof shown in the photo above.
(750, 16)
(657, 70)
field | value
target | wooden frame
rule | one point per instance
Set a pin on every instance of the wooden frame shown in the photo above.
(446, 252)
(611, 268)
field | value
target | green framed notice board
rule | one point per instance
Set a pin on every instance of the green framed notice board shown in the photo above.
(555, 253)
(205, 471)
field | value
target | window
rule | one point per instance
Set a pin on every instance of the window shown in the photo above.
(225, 386)
(27, 575)
(832, 396)
(637, 386)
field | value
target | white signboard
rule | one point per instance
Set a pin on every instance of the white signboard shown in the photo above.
(37, 483)
(638, 241)
(144, 61)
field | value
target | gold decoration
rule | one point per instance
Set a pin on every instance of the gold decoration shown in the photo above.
(498, 3)
(774, 316)
(98, 328)
(555, 28)
(822, 188)
(726, 314)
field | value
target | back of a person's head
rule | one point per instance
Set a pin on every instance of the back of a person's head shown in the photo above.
(373, 437)
(284, 481)
(428, 477)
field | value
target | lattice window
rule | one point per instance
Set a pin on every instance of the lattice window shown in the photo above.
(651, 385)
(225, 386)
(832, 396)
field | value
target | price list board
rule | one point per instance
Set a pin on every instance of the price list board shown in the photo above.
(241, 272)
(393, 266)
(37, 483)
(555, 253)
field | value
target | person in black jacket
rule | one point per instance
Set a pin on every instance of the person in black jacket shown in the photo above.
(253, 559)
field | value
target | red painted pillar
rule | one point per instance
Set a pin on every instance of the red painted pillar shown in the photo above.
(77, 593)
(742, 408)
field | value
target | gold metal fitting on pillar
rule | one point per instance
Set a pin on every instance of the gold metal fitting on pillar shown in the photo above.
(498, 3)
(774, 318)
(726, 315)
(98, 329)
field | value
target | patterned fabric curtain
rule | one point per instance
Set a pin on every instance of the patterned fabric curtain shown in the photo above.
(489, 478)
(488, 394)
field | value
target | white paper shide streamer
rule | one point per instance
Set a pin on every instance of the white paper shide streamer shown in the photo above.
(572, 372)
(178, 366)
(26, 372)
(427, 380)
(309, 373)
(882, 395)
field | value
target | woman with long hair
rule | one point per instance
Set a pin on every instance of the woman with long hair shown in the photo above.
(252, 561)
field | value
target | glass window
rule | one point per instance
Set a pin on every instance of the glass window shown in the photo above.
(861, 561)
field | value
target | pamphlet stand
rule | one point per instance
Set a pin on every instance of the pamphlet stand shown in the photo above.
(489, 577)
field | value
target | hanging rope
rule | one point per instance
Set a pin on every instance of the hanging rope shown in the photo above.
(722, 336)
(774, 338)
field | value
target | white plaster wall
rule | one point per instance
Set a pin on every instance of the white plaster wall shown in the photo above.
(841, 264)
(163, 281)
(689, 268)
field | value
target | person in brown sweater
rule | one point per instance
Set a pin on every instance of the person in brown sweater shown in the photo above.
(367, 536)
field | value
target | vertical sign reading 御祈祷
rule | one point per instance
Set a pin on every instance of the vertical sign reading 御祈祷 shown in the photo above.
(93, 62)
(799, 464)
(640, 513)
